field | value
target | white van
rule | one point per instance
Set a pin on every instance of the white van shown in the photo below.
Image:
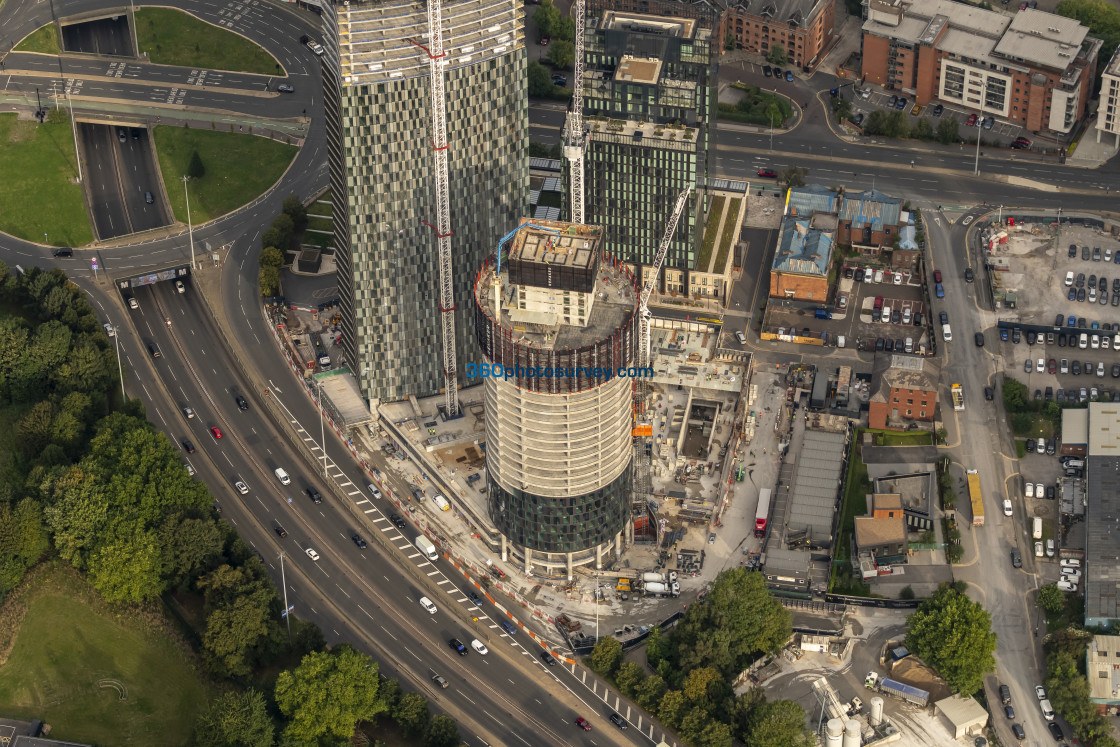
(946, 333)
(282, 476)
(1037, 528)
(840, 341)
(440, 501)
(425, 545)
(1071, 562)
(1047, 709)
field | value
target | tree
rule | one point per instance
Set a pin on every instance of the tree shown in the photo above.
(195, 168)
(739, 620)
(58, 115)
(562, 54)
(126, 568)
(327, 695)
(779, 724)
(942, 435)
(793, 176)
(923, 130)
(701, 729)
(729, 40)
(233, 632)
(270, 256)
(286, 227)
(876, 123)
(650, 692)
(606, 656)
(1102, 19)
(897, 125)
(906, 593)
(294, 209)
(1050, 599)
(269, 280)
(272, 237)
(704, 687)
(235, 719)
(777, 54)
(629, 676)
(566, 29)
(948, 131)
(540, 81)
(442, 732)
(412, 714)
(23, 540)
(1015, 395)
(188, 546)
(547, 17)
(672, 709)
(841, 108)
(953, 634)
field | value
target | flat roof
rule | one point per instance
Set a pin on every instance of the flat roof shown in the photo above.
(649, 24)
(631, 70)
(873, 530)
(1104, 435)
(1102, 541)
(1075, 426)
(1045, 39)
(1113, 66)
(1104, 659)
(816, 480)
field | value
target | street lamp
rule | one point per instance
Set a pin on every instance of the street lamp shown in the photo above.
(980, 126)
(190, 229)
(74, 129)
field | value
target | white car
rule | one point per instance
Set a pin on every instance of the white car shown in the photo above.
(109, 330)
(1039, 488)
(1049, 548)
(1070, 563)
(374, 491)
(427, 604)
(1038, 549)
(1006, 506)
(898, 278)
(133, 303)
(1040, 691)
(1071, 574)
(477, 646)
(1040, 366)
(1029, 489)
(179, 286)
(1095, 342)
(312, 554)
(241, 487)
(188, 413)
(1069, 278)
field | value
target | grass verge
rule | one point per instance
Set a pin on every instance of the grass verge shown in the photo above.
(171, 37)
(320, 224)
(239, 168)
(43, 39)
(711, 233)
(70, 644)
(902, 438)
(45, 199)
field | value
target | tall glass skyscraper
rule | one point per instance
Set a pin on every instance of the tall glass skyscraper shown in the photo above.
(649, 105)
(378, 112)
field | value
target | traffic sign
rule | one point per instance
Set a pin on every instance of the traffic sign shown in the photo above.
(285, 612)
(94, 263)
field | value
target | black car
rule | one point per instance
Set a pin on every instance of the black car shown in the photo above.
(1055, 731)
(896, 316)
(859, 119)
(475, 599)
(767, 71)
(548, 658)
(979, 339)
(397, 521)
(618, 721)
(1060, 395)
(880, 344)
(1080, 295)
(314, 495)
(242, 403)
(859, 274)
(889, 345)
(217, 507)
(279, 531)
(1031, 338)
(1016, 335)
(359, 541)
(1005, 694)
(944, 317)
(1081, 323)
(848, 272)
(1102, 284)
(917, 318)
(938, 110)
(1071, 294)
(1075, 368)
(1073, 251)
(1048, 394)
(1061, 338)
(1050, 491)
(899, 345)
(457, 646)
(188, 446)
(1017, 730)
(969, 276)
(1059, 320)
(559, 80)
(1016, 558)
(1009, 712)
(989, 393)
(1080, 281)
(1030, 445)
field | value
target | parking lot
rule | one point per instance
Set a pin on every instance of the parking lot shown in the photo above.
(1067, 299)
(872, 99)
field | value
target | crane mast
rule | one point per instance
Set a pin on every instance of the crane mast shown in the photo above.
(573, 128)
(443, 204)
(662, 250)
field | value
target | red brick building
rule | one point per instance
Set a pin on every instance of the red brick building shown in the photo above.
(904, 389)
(1033, 69)
(804, 28)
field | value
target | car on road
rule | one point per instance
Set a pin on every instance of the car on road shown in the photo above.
(133, 303)
(979, 339)
(242, 403)
(548, 658)
(944, 318)
(1016, 558)
(241, 487)
(939, 290)
(478, 646)
(312, 554)
(509, 627)
(618, 721)
(427, 604)
(215, 431)
(359, 540)
(314, 495)
(969, 275)
(397, 521)
(315, 47)
(1007, 506)
(582, 723)
(439, 680)
(280, 531)
(1009, 712)
(457, 646)
(373, 490)
(1056, 731)
(109, 331)
(188, 446)
(989, 393)
(286, 88)
(475, 598)
(937, 276)
(767, 173)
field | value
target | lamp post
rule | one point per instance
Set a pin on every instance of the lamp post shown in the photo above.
(190, 229)
(284, 586)
(74, 130)
(980, 126)
(120, 373)
(322, 428)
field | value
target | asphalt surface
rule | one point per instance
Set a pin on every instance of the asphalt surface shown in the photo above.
(107, 36)
(117, 177)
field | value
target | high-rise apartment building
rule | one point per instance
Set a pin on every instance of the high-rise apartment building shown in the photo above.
(559, 318)
(378, 119)
(649, 105)
(1108, 112)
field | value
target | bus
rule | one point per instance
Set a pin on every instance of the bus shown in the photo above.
(762, 513)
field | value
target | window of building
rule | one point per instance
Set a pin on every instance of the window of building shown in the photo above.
(909, 412)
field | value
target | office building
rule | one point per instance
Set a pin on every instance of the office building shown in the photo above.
(649, 104)
(378, 118)
(1108, 112)
(803, 28)
(1100, 577)
(560, 318)
(1033, 69)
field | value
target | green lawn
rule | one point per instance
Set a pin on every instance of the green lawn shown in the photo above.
(69, 642)
(711, 233)
(44, 39)
(727, 238)
(171, 37)
(320, 224)
(902, 438)
(319, 208)
(321, 240)
(239, 168)
(45, 198)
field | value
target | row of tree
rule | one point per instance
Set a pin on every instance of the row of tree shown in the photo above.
(276, 241)
(560, 29)
(1068, 688)
(696, 664)
(102, 489)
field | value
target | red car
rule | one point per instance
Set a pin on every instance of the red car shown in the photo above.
(971, 121)
(581, 722)
(767, 173)
(544, 41)
(1052, 366)
(215, 431)
(937, 276)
